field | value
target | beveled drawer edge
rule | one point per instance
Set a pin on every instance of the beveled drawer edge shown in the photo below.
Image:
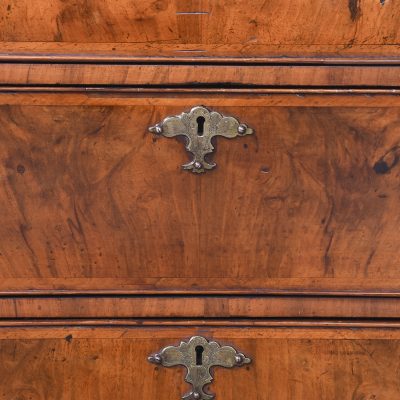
(216, 322)
(201, 74)
(199, 52)
(198, 307)
(69, 333)
(211, 97)
(182, 90)
(182, 57)
(196, 286)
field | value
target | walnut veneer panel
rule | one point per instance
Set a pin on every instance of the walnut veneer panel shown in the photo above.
(218, 75)
(200, 28)
(108, 363)
(54, 308)
(311, 199)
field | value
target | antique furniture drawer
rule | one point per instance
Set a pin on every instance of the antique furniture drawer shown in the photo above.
(302, 363)
(305, 203)
(199, 184)
(293, 30)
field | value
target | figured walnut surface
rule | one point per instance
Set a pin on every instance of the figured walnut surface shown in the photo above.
(200, 29)
(216, 75)
(310, 199)
(108, 363)
(293, 239)
(126, 307)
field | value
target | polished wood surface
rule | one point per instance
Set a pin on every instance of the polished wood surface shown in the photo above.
(107, 363)
(379, 326)
(287, 251)
(213, 97)
(67, 52)
(201, 28)
(96, 306)
(92, 195)
(198, 75)
(357, 287)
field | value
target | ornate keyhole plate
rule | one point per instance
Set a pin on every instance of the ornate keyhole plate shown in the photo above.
(199, 126)
(198, 355)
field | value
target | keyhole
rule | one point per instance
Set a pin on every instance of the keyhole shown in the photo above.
(199, 353)
(200, 125)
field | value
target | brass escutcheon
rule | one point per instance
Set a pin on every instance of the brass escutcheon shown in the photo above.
(198, 355)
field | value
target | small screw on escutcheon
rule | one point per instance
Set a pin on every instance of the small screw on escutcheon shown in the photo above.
(155, 359)
(200, 126)
(199, 366)
(242, 128)
(240, 358)
(156, 129)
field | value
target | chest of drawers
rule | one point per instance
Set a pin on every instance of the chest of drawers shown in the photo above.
(195, 185)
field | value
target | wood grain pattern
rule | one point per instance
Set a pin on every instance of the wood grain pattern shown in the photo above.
(378, 326)
(287, 251)
(208, 53)
(312, 196)
(197, 75)
(199, 307)
(225, 333)
(189, 97)
(201, 27)
(305, 364)
(333, 286)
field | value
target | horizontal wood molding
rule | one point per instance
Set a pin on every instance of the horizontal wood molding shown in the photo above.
(189, 54)
(69, 333)
(189, 97)
(69, 52)
(198, 307)
(163, 323)
(200, 286)
(173, 74)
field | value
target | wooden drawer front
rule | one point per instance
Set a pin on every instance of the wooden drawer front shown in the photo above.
(137, 74)
(200, 29)
(94, 201)
(108, 363)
